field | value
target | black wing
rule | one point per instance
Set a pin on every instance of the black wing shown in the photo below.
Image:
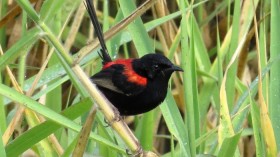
(104, 79)
(113, 78)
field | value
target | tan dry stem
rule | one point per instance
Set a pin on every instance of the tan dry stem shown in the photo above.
(84, 134)
(75, 27)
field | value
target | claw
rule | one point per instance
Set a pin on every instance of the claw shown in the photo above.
(127, 151)
(116, 118)
(136, 154)
(106, 122)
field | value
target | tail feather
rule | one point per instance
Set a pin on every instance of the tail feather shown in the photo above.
(104, 52)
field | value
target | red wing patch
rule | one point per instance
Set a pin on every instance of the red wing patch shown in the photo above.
(132, 76)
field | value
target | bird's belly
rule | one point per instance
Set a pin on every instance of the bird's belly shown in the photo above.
(138, 104)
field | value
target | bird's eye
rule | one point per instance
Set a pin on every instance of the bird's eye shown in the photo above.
(155, 67)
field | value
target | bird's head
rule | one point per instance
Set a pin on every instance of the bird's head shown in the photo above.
(152, 66)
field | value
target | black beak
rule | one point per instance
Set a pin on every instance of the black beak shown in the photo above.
(172, 69)
(176, 68)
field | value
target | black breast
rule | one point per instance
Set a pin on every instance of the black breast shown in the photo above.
(145, 101)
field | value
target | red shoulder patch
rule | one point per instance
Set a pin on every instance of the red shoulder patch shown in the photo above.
(132, 76)
(125, 62)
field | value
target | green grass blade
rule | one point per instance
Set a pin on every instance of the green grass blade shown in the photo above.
(3, 122)
(2, 148)
(22, 46)
(49, 9)
(39, 132)
(46, 112)
(188, 64)
(233, 46)
(29, 9)
(255, 114)
(274, 106)
(244, 99)
(137, 30)
(229, 146)
(3, 11)
(56, 27)
(175, 124)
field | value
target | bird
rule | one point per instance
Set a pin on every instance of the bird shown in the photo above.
(135, 85)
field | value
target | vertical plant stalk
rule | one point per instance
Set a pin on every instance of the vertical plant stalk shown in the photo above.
(75, 27)
(3, 124)
(274, 102)
(188, 64)
(268, 133)
(225, 128)
(84, 134)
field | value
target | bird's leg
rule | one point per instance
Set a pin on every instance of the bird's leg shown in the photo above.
(116, 118)
(136, 154)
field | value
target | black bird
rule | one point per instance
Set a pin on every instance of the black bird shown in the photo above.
(133, 86)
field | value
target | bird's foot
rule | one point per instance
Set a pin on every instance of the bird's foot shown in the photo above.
(116, 118)
(136, 154)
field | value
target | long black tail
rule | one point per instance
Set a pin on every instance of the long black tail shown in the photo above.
(104, 52)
